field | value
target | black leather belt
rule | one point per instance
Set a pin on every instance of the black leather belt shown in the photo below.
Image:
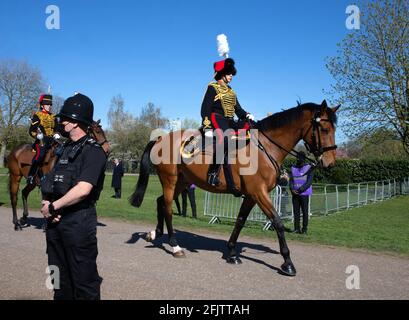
(77, 207)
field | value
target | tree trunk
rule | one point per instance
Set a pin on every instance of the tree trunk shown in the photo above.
(2, 154)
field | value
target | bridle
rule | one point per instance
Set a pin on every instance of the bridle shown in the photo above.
(102, 143)
(315, 147)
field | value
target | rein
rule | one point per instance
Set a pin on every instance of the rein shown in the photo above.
(316, 149)
(91, 130)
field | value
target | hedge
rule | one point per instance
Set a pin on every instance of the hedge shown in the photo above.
(359, 170)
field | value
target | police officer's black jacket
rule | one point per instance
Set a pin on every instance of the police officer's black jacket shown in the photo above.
(82, 160)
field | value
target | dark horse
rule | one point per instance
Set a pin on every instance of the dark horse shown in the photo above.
(276, 136)
(19, 163)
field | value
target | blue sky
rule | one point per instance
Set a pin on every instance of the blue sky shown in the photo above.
(163, 51)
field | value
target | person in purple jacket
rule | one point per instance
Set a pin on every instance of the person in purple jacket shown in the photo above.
(300, 185)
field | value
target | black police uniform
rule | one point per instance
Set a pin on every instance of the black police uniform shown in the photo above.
(72, 242)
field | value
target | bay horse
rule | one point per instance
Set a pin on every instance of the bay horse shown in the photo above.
(277, 136)
(19, 164)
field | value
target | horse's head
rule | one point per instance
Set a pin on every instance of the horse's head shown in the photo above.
(319, 134)
(99, 135)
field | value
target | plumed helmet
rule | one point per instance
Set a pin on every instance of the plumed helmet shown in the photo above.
(224, 67)
(45, 99)
(79, 108)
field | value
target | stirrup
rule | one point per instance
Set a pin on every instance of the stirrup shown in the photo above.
(213, 179)
(31, 180)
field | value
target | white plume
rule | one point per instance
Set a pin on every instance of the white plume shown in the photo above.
(222, 45)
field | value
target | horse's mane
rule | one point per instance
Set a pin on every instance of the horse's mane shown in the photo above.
(286, 117)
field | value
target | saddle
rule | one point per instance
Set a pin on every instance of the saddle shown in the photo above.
(197, 144)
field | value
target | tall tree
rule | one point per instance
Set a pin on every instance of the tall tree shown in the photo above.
(130, 134)
(381, 143)
(121, 124)
(20, 86)
(371, 71)
(152, 117)
(189, 123)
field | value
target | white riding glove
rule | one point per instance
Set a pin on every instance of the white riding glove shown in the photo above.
(40, 136)
(209, 134)
(250, 116)
(56, 136)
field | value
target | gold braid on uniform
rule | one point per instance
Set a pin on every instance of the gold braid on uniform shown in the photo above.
(227, 98)
(47, 121)
(206, 123)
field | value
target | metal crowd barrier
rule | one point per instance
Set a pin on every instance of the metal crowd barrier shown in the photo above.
(326, 199)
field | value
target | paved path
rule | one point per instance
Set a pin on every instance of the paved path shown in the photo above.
(135, 269)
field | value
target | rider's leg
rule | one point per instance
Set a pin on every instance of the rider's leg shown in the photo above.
(34, 165)
(221, 124)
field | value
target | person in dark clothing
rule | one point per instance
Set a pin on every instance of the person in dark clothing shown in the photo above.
(301, 188)
(178, 206)
(219, 106)
(70, 192)
(117, 174)
(189, 192)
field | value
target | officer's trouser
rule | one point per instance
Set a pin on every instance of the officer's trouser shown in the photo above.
(72, 247)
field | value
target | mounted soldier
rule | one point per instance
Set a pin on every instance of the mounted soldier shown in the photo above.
(42, 129)
(219, 106)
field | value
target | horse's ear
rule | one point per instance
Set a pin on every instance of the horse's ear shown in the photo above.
(335, 109)
(99, 121)
(324, 106)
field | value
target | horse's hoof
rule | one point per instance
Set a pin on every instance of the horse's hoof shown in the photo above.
(23, 222)
(148, 237)
(234, 260)
(179, 254)
(288, 269)
(17, 227)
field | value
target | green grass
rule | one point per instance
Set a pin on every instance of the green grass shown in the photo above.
(377, 227)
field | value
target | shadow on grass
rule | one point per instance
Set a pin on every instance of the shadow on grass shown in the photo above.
(194, 243)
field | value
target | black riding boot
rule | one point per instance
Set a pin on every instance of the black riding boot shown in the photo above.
(32, 173)
(214, 168)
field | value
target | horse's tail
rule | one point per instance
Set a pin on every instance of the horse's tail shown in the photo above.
(137, 197)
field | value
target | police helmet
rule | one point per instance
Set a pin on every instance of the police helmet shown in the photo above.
(79, 108)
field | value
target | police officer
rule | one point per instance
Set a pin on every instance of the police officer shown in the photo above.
(70, 192)
(219, 106)
(42, 129)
